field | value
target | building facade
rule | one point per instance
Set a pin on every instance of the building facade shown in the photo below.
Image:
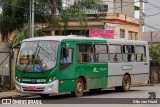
(125, 7)
(120, 18)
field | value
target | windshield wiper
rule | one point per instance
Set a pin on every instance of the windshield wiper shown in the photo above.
(25, 68)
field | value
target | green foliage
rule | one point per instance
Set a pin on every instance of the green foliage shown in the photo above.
(77, 12)
(7, 25)
(155, 54)
(39, 33)
(21, 35)
(16, 13)
(13, 17)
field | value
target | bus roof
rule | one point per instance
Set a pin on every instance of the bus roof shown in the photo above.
(73, 37)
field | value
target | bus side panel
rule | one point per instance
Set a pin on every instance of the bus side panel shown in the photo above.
(95, 74)
(138, 71)
(141, 70)
(115, 74)
(67, 76)
(100, 82)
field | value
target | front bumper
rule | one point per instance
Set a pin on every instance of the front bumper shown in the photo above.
(50, 88)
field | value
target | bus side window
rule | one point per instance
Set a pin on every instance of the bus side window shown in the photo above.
(101, 53)
(115, 53)
(128, 53)
(85, 53)
(140, 53)
(66, 55)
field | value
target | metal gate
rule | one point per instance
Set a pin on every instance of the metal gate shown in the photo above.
(5, 67)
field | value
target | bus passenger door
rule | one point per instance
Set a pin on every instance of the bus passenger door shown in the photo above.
(67, 70)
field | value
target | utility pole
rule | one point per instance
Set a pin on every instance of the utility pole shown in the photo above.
(140, 19)
(31, 19)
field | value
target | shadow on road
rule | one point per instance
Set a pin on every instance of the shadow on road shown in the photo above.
(87, 93)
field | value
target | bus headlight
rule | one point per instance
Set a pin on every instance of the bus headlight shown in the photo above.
(51, 79)
(17, 79)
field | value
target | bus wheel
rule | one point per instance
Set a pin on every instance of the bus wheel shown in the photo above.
(44, 95)
(79, 88)
(126, 83)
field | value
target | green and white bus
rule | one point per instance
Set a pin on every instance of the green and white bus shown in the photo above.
(58, 64)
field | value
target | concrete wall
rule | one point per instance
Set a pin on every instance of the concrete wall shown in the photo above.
(151, 36)
(129, 24)
(110, 5)
(125, 7)
(127, 27)
(128, 8)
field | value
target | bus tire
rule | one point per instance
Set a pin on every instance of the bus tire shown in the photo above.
(44, 95)
(79, 88)
(126, 83)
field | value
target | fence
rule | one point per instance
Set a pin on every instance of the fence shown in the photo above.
(151, 37)
(5, 67)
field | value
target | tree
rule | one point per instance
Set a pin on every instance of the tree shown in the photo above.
(154, 51)
(77, 11)
(12, 18)
(47, 11)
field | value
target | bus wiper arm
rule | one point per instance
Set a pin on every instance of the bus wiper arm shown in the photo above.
(24, 70)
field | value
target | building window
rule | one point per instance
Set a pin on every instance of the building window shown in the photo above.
(131, 35)
(122, 33)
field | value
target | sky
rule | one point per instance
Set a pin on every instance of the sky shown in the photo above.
(152, 15)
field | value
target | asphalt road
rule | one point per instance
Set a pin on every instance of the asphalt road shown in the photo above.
(109, 95)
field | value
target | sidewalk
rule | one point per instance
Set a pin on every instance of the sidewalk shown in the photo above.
(13, 94)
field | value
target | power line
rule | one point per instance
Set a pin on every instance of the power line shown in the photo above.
(152, 14)
(152, 27)
(155, 7)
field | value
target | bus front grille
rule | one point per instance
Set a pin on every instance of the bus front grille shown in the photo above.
(34, 82)
(39, 89)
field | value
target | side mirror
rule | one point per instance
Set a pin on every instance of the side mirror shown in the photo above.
(17, 46)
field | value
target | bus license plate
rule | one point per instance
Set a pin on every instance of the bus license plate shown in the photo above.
(31, 88)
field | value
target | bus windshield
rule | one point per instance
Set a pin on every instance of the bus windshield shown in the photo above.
(37, 56)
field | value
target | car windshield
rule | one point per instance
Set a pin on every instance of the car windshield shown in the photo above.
(37, 56)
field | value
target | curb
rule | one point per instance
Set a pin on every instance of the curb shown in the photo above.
(141, 85)
(16, 96)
